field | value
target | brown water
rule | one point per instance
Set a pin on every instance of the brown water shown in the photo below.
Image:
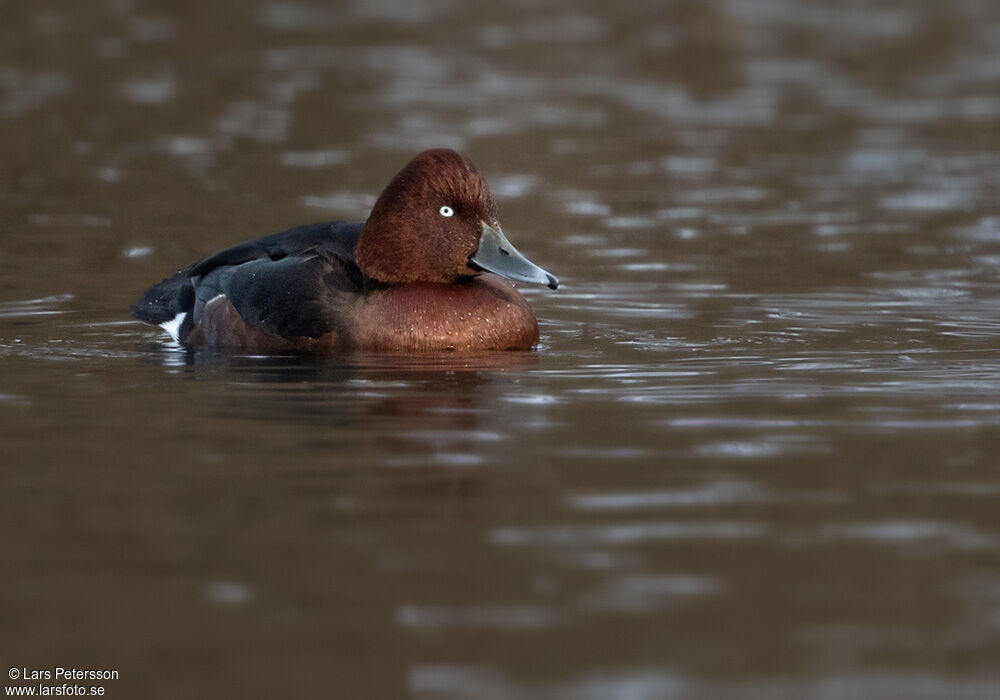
(756, 455)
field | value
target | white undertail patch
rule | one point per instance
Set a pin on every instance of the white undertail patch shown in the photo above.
(174, 327)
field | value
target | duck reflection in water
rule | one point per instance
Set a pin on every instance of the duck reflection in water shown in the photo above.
(420, 422)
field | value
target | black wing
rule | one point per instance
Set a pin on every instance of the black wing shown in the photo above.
(282, 282)
(295, 296)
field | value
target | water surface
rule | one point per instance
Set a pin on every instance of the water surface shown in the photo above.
(755, 455)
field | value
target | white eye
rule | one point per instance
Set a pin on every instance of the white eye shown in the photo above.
(446, 211)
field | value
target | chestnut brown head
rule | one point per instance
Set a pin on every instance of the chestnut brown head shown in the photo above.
(436, 221)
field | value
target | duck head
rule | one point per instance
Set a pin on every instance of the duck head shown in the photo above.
(436, 221)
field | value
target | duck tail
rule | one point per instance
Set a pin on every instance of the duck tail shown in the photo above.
(164, 301)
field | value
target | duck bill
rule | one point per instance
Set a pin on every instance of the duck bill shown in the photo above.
(496, 254)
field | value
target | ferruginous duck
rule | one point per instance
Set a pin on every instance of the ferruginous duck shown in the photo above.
(425, 272)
